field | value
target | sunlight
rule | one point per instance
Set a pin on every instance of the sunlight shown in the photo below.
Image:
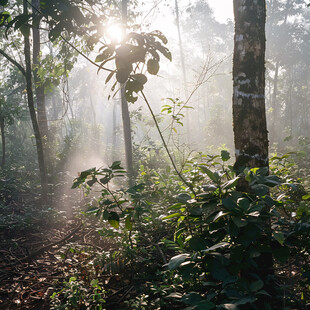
(114, 33)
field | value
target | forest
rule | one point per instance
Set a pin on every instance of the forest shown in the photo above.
(155, 154)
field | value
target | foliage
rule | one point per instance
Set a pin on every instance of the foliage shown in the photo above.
(129, 56)
(75, 295)
(218, 235)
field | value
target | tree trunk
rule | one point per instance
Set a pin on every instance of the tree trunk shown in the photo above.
(249, 117)
(125, 114)
(3, 141)
(39, 89)
(39, 143)
(114, 132)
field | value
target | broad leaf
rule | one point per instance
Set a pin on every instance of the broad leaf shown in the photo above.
(153, 66)
(176, 261)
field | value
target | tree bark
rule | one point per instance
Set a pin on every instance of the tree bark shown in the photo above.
(39, 89)
(39, 143)
(125, 114)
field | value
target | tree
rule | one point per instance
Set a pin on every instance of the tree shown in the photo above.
(249, 117)
(125, 111)
(39, 87)
(38, 137)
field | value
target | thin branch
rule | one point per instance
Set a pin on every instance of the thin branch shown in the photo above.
(14, 62)
(190, 186)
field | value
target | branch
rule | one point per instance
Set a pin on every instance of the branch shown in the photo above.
(190, 186)
(14, 62)
(82, 54)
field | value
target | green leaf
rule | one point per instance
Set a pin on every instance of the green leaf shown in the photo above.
(164, 51)
(141, 78)
(229, 204)
(122, 75)
(260, 189)
(256, 286)
(183, 197)
(4, 2)
(191, 299)
(108, 52)
(86, 173)
(116, 166)
(109, 77)
(94, 283)
(306, 197)
(177, 260)
(196, 211)
(170, 216)
(231, 183)
(216, 246)
(153, 66)
(159, 35)
(128, 223)
(175, 295)
(278, 235)
(113, 219)
(214, 176)
(229, 307)
(197, 244)
(225, 155)
(205, 305)
(25, 30)
(5, 17)
(239, 222)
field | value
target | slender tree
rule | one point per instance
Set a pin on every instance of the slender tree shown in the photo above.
(125, 112)
(28, 75)
(39, 88)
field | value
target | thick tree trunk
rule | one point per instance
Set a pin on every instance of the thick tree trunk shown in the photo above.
(125, 114)
(39, 143)
(39, 89)
(249, 117)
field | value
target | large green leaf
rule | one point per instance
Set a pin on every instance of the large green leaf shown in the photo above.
(278, 235)
(177, 260)
(214, 176)
(216, 247)
(113, 219)
(256, 286)
(229, 204)
(192, 298)
(153, 66)
(225, 155)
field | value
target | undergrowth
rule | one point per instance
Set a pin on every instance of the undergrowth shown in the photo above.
(196, 248)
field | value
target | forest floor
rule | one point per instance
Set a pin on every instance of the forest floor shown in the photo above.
(38, 251)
